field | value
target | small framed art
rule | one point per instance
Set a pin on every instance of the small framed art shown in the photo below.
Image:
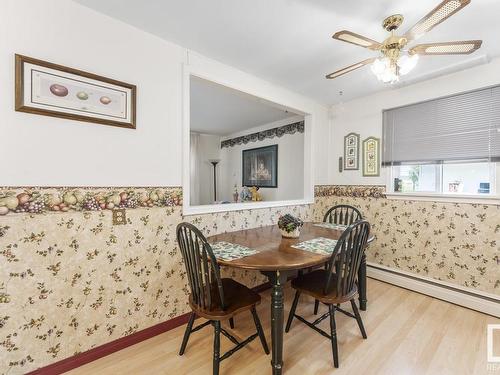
(351, 152)
(54, 90)
(260, 167)
(371, 157)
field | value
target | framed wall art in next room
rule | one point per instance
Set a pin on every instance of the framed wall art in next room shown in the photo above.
(351, 152)
(260, 167)
(371, 157)
(54, 90)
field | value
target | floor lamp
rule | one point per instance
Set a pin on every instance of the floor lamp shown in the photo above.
(214, 163)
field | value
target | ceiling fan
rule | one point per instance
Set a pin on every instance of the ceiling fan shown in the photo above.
(396, 59)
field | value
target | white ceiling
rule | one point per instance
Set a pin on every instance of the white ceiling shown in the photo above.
(219, 110)
(289, 42)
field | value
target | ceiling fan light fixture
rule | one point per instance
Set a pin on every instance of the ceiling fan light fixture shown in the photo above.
(395, 58)
(407, 63)
(385, 70)
(380, 65)
(389, 77)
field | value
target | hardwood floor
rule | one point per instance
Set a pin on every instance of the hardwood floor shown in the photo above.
(408, 333)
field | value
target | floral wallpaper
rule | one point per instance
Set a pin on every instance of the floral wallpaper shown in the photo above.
(71, 280)
(456, 243)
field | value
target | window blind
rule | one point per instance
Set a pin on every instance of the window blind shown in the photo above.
(465, 126)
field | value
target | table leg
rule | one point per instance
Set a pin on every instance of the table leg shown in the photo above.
(277, 279)
(362, 283)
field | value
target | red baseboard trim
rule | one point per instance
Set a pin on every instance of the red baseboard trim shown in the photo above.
(81, 359)
(91, 355)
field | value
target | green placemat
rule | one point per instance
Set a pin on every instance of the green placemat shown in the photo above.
(230, 251)
(331, 226)
(319, 245)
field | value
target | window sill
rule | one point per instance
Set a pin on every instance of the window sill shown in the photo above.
(433, 197)
(214, 208)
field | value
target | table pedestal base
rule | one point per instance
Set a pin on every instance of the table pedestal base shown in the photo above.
(362, 284)
(277, 280)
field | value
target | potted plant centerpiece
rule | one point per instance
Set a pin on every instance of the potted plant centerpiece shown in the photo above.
(290, 226)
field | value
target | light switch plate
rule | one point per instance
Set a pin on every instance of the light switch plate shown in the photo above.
(119, 217)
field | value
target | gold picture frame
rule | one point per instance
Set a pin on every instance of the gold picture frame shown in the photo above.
(371, 157)
(49, 89)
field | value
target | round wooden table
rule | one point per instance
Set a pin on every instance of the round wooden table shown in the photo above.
(277, 260)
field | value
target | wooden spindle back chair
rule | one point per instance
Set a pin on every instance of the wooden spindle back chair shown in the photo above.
(344, 263)
(336, 284)
(343, 214)
(201, 266)
(212, 297)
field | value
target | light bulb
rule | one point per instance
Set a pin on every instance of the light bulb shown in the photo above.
(407, 63)
(379, 66)
(384, 70)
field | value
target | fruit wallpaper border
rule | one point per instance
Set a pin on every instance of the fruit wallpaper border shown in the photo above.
(40, 200)
(355, 191)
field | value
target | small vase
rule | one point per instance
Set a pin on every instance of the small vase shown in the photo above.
(293, 234)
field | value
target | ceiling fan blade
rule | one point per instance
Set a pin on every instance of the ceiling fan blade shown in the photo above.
(464, 47)
(350, 68)
(444, 10)
(359, 40)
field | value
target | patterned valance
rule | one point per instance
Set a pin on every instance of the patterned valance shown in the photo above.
(296, 127)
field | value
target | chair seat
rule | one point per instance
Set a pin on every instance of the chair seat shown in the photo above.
(313, 284)
(237, 296)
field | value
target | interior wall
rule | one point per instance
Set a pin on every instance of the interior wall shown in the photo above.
(208, 149)
(364, 115)
(72, 280)
(55, 260)
(290, 163)
(446, 241)
(47, 151)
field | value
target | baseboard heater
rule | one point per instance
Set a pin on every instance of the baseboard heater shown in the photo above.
(466, 297)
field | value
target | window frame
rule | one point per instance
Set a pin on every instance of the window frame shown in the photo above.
(235, 82)
(491, 198)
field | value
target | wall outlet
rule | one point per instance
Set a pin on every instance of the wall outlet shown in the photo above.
(119, 217)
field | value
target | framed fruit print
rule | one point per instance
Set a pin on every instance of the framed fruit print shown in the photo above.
(371, 157)
(54, 90)
(351, 152)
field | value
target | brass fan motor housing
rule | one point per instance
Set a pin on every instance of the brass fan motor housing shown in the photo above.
(392, 46)
(393, 22)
